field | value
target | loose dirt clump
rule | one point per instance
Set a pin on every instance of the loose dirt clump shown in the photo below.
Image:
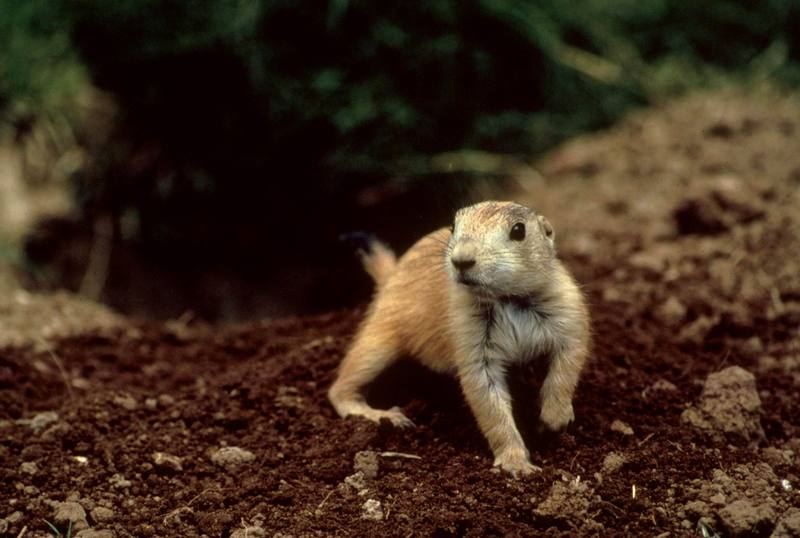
(745, 501)
(729, 406)
(567, 504)
(70, 514)
(789, 525)
(686, 244)
(613, 462)
(742, 518)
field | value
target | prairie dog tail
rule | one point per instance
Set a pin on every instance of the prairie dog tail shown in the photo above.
(377, 258)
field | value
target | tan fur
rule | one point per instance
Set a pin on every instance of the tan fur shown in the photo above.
(521, 304)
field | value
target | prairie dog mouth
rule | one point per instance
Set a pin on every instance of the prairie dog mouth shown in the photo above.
(476, 288)
(467, 281)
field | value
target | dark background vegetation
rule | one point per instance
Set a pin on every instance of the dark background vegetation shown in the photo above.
(247, 134)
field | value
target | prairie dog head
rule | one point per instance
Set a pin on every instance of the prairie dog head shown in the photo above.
(499, 249)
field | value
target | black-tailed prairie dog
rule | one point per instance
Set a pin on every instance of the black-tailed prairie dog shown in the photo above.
(473, 300)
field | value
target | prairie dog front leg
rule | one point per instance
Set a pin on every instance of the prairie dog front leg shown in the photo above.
(559, 386)
(486, 391)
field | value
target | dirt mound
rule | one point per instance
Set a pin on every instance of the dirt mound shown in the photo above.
(682, 223)
(38, 319)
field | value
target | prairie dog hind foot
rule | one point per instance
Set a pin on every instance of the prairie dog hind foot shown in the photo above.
(355, 408)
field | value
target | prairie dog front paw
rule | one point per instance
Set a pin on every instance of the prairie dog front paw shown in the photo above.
(556, 416)
(516, 463)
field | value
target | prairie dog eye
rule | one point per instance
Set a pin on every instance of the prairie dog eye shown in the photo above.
(517, 232)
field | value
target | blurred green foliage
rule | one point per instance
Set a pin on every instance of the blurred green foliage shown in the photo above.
(387, 80)
(249, 102)
(41, 73)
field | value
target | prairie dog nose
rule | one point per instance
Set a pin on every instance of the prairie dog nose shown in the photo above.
(462, 264)
(463, 256)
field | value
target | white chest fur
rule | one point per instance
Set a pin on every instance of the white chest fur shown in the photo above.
(517, 333)
(503, 332)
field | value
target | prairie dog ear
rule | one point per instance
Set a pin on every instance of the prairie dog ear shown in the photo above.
(547, 229)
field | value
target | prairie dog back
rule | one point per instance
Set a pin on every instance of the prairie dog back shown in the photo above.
(471, 301)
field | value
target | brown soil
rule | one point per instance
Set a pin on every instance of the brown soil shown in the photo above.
(683, 224)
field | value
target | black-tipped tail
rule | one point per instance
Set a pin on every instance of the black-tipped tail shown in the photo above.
(378, 259)
(359, 241)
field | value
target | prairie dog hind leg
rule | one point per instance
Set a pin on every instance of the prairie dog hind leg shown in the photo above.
(370, 354)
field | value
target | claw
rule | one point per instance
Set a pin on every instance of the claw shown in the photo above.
(516, 464)
(398, 419)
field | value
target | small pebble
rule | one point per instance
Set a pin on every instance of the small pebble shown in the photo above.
(119, 481)
(620, 427)
(664, 386)
(164, 460)
(101, 514)
(126, 401)
(372, 510)
(28, 467)
(41, 420)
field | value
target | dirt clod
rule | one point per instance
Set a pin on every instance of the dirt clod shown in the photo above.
(663, 385)
(126, 401)
(672, 311)
(40, 420)
(741, 518)
(729, 406)
(566, 500)
(357, 481)
(613, 462)
(28, 467)
(776, 456)
(232, 456)
(167, 461)
(70, 512)
(789, 525)
(101, 514)
(744, 500)
(367, 463)
(372, 510)
(118, 481)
